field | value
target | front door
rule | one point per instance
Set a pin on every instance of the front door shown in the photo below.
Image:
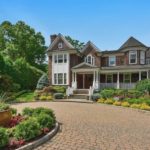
(88, 81)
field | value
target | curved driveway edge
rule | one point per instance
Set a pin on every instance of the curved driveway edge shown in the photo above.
(96, 127)
(42, 140)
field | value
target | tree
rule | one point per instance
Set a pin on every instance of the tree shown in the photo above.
(21, 41)
(77, 44)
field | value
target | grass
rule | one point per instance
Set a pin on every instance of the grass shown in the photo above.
(26, 97)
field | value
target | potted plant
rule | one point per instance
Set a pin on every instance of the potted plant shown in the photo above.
(5, 111)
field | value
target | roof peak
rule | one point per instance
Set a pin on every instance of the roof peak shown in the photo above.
(132, 42)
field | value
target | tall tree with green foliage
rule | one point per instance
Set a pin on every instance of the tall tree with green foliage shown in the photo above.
(76, 43)
(21, 41)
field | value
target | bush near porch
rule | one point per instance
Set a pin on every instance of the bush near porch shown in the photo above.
(136, 98)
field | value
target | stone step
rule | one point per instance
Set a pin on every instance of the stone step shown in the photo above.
(79, 96)
(81, 91)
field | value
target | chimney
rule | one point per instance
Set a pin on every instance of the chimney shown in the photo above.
(53, 37)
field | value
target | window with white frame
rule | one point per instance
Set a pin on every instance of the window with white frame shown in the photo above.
(60, 78)
(142, 57)
(109, 78)
(55, 78)
(112, 60)
(60, 58)
(55, 58)
(132, 57)
(127, 78)
(90, 60)
(60, 45)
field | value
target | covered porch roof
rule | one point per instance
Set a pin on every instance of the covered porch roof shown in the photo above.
(85, 67)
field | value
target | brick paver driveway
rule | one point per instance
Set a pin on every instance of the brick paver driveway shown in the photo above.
(97, 127)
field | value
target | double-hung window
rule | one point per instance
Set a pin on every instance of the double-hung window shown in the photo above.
(133, 57)
(127, 78)
(142, 57)
(112, 60)
(109, 78)
(60, 58)
(60, 78)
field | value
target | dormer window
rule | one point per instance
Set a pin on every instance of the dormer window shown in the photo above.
(60, 45)
(90, 60)
(133, 57)
(112, 60)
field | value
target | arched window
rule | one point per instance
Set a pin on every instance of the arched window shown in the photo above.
(90, 60)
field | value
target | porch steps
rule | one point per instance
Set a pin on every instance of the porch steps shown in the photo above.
(81, 91)
(80, 94)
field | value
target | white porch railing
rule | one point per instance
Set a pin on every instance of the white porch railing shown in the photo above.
(91, 91)
(114, 85)
(69, 91)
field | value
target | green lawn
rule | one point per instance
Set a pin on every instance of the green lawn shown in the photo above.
(26, 97)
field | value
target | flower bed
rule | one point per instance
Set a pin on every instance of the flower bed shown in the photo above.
(26, 127)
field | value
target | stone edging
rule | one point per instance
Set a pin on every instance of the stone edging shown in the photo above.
(42, 140)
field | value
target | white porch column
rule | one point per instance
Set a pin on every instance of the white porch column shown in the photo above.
(147, 74)
(139, 75)
(75, 82)
(118, 84)
(83, 81)
(94, 79)
(72, 82)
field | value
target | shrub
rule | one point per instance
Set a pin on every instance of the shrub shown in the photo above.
(49, 98)
(95, 97)
(4, 138)
(41, 110)
(125, 104)
(13, 111)
(59, 89)
(101, 100)
(135, 106)
(4, 106)
(145, 107)
(143, 86)
(27, 130)
(58, 95)
(117, 103)
(109, 101)
(28, 111)
(107, 93)
(134, 93)
(43, 98)
(135, 101)
(45, 121)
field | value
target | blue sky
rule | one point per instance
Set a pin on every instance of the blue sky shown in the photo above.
(107, 23)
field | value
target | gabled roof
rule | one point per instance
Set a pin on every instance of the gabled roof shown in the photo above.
(89, 43)
(84, 65)
(60, 36)
(131, 42)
